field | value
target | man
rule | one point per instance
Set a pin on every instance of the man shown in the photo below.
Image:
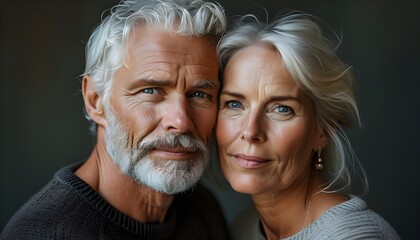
(150, 89)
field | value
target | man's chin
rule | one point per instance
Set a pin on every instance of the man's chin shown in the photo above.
(169, 181)
(176, 191)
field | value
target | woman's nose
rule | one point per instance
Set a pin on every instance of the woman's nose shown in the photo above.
(253, 131)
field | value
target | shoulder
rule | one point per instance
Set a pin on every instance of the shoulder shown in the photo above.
(353, 220)
(246, 225)
(199, 211)
(46, 213)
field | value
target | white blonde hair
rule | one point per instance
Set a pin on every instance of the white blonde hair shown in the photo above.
(106, 48)
(311, 59)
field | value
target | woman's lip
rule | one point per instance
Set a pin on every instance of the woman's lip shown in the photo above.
(250, 161)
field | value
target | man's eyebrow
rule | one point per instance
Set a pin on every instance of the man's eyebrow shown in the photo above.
(155, 82)
(204, 83)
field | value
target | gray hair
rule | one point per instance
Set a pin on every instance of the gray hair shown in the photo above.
(311, 60)
(107, 46)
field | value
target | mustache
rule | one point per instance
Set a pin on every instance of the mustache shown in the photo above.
(172, 140)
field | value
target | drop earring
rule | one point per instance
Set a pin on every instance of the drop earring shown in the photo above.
(318, 165)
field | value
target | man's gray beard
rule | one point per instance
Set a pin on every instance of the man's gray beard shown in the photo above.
(162, 175)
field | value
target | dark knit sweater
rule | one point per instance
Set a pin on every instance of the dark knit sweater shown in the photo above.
(68, 208)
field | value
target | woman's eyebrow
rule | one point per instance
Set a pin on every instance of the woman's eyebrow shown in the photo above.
(284, 98)
(233, 94)
(271, 99)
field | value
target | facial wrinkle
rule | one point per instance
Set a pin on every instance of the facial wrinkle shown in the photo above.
(261, 93)
(181, 80)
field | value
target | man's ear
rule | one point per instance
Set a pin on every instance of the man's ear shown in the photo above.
(92, 101)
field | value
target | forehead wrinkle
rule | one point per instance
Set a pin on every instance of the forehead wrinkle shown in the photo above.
(264, 79)
(260, 94)
(181, 81)
(272, 89)
(157, 74)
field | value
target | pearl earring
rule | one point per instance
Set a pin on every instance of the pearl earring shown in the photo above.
(319, 165)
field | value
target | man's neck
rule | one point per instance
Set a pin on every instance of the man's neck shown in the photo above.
(122, 192)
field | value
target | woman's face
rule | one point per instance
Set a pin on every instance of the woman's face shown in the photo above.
(266, 128)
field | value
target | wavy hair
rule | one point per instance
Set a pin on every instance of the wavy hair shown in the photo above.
(107, 46)
(311, 60)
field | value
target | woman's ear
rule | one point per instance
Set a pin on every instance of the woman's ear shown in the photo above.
(92, 101)
(321, 142)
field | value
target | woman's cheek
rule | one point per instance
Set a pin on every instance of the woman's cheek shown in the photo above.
(226, 131)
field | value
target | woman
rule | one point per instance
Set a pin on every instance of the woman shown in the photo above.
(284, 100)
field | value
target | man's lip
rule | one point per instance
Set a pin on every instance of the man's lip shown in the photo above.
(175, 150)
(172, 153)
(250, 162)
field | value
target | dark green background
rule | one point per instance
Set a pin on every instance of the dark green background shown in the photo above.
(43, 128)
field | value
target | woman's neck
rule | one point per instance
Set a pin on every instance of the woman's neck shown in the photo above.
(282, 213)
(285, 213)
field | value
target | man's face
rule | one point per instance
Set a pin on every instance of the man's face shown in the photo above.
(162, 109)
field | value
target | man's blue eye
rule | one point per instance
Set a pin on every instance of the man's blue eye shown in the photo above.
(149, 90)
(199, 95)
(233, 104)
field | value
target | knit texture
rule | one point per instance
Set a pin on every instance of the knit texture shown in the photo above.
(68, 208)
(349, 220)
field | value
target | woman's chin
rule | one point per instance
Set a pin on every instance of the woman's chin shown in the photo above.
(245, 185)
(244, 190)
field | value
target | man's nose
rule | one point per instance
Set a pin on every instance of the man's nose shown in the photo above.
(176, 115)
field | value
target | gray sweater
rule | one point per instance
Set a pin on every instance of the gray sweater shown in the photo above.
(68, 208)
(349, 220)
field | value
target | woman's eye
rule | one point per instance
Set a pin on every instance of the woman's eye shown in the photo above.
(283, 109)
(233, 104)
(149, 91)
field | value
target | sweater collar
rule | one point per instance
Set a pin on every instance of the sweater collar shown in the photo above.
(150, 230)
